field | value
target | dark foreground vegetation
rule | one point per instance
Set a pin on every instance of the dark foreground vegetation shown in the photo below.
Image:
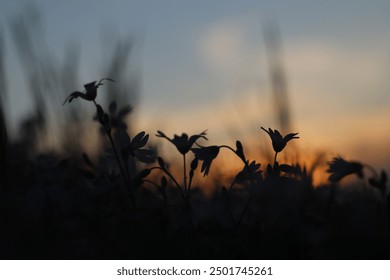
(126, 204)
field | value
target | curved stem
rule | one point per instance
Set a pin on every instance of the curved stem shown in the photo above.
(373, 171)
(237, 224)
(233, 150)
(162, 192)
(242, 159)
(171, 177)
(151, 182)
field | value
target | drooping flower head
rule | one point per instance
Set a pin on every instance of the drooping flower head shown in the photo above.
(278, 141)
(183, 143)
(339, 168)
(207, 155)
(90, 91)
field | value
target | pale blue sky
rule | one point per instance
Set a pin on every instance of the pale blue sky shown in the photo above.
(207, 55)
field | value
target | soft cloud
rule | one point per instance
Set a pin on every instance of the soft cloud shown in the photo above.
(223, 45)
(228, 49)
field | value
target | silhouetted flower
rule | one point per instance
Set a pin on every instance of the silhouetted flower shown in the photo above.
(278, 141)
(340, 168)
(207, 155)
(90, 91)
(117, 118)
(135, 149)
(253, 172)
(183, 143)
(240, 150)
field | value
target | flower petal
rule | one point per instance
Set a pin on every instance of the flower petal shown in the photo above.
(140, 140)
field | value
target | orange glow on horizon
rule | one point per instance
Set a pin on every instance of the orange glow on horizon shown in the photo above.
(322, 137)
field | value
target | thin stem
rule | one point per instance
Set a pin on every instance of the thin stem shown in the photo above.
(237, 224)
(189, 185)
(243, 213)
(172, 178)
(116, 155)
(234, 151)
(276, 153)
(118, 160)
(185, 175)
(373, 171)
(242, 159)
(151, 182)
(120, 167)
(127, 171)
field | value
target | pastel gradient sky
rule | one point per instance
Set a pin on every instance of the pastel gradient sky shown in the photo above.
(204, 66)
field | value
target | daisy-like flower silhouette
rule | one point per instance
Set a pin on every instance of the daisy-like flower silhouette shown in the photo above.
(252, 171)
(90, 91)
(278, 141)
(207, 155)
(339, 168)
(183, 143)
(135, 148)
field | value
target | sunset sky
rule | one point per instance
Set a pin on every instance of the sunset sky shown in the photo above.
(203, 65)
